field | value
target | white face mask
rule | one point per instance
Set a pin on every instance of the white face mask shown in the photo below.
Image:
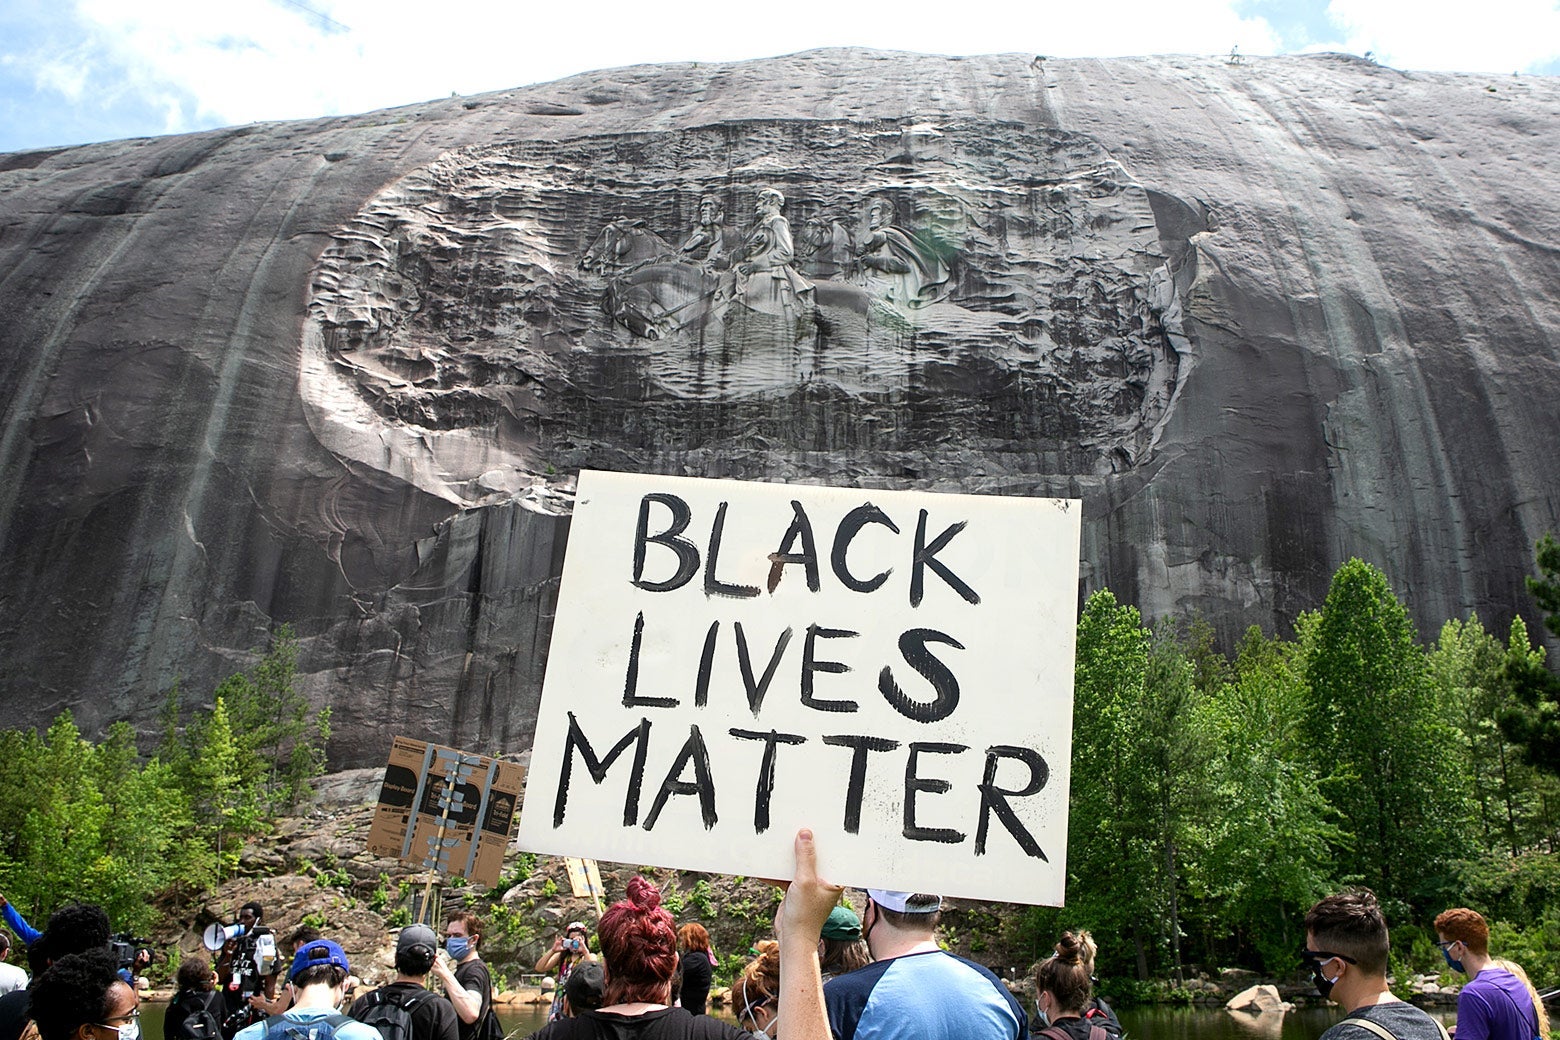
(129, 1031)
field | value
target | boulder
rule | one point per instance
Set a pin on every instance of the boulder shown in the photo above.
(1258, 999)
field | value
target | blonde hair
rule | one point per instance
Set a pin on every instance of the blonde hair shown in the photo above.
(1538, 1005)
(759, 983)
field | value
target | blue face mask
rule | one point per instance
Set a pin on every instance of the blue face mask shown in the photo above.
(1446, 951)
(457, 946)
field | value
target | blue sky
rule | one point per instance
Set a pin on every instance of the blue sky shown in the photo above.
(73, 71)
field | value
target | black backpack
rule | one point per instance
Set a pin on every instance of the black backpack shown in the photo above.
(392, 1017)
(199, 1023)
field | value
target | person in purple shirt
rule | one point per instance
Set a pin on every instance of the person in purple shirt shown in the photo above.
(1495, 1004)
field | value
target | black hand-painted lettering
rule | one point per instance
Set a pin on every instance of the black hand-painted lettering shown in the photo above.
(702, 784)
(766, 771)
(995, 799)
(713, 586)
(639, 735)
(687, 552)
(918, 784)
(849, 527)
(800, 529)
(756, 690)
(631, 698)
(810, 665)
(912, 646)
(926, 556)
(701, 686)
(858, 772)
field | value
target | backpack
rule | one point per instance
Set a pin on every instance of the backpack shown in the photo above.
(280, 1027)
(198, 1022)
(393, 1018)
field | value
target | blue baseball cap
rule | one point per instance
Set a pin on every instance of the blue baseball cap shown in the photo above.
(317, 954)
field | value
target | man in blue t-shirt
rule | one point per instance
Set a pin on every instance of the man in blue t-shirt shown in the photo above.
(913, 989)
(318, 980)
(1495, 1004)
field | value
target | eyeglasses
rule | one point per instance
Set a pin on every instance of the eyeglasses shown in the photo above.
(1447, 945)
(1323, 956)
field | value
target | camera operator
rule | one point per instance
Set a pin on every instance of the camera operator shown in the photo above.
(569, 948)
(248, 967)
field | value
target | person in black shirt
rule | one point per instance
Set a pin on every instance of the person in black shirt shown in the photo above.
(698, 966)
(433, 1017)
(470, 986)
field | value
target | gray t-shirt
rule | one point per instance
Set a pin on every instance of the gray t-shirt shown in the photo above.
(1402, 1020)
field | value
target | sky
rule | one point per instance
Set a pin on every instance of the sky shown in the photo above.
(75, 71)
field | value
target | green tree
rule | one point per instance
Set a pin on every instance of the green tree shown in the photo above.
(1378, 737)
(1468, 666)
(1545, 588)
(1269, 841)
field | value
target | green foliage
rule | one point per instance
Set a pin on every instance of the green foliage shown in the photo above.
(700, 899)
(1545, 588)
(96, 822)
(1378, 734)
(549, 888)
(1530, 714)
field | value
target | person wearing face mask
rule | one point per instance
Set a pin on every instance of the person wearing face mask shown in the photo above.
(756, 993)
(82, 997)
(1495, 1004)
(1064, 989)
(1346, 948)
(470, 985)
(318, 980)
(72, 929)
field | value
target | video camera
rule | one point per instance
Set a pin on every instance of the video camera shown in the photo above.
(254, 954)
(125, 947)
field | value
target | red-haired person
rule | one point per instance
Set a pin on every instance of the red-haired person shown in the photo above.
(1495, 1004)
(639, 956)
(470, 985)
(698, 967)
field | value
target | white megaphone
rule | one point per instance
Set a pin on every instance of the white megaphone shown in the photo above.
(218, 934)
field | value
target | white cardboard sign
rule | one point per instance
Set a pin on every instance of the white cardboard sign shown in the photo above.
(732, 661)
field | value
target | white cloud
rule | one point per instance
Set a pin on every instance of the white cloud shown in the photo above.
(192, 63)
(1493, 36)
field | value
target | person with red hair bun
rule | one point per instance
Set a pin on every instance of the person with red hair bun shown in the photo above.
(639, 956)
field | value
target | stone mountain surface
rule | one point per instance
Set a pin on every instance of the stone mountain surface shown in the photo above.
(1259, 317)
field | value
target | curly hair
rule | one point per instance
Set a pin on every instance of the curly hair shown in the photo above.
(639, 943)
(74, 992)
(76, 928)
(1351, 923)
(194, 974)
(758, 985)
(1465, 926)
(1064, 974)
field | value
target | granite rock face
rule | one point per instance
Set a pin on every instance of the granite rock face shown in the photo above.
(339, 373)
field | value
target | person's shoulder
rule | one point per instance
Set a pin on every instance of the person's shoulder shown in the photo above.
(1398, 1017)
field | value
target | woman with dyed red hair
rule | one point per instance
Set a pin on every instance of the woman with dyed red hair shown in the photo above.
(639, 953)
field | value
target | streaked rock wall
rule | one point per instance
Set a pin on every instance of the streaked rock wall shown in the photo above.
(1260, 318)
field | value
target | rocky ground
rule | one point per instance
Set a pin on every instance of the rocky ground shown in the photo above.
(315, 868)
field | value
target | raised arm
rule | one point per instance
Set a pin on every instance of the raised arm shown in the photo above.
(799, 925)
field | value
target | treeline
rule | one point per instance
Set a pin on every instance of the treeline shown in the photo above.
(1215, 797)
(98, 822)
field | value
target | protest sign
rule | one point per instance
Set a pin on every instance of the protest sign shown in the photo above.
(445, 810)
(731, 661)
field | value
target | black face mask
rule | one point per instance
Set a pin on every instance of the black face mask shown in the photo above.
(1314, 959)
(1324, 985)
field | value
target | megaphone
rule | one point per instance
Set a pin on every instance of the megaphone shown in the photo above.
(218, 934)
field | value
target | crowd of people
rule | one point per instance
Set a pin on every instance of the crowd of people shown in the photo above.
(828, 974)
